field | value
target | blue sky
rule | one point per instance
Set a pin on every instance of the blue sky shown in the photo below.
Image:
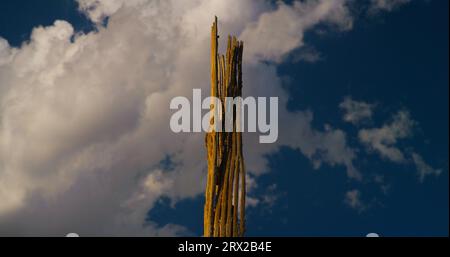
(394, 61)
(399, 61)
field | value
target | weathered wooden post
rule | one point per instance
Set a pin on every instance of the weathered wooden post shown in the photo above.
(224, 211)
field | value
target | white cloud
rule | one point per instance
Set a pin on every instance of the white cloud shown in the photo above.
(386, 5)
(353, 199)
(98, 10)
(423, 169)
(383, 140)
(266, 199)
(275, 34)
(84, 122)
(307, 54)
(322, 147)
(356, 111)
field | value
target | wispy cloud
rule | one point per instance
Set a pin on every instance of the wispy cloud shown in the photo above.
(423, 169)
(353, 200)
(383, 140)
(386, 5)
(356, 111)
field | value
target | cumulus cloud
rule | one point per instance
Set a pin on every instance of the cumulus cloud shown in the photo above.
(356, 111)
(383, 140)
(328, 146)
(84, 118)
(84, 122)
(275, 34)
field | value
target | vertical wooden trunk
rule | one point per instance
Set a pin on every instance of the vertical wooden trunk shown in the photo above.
(224, 210)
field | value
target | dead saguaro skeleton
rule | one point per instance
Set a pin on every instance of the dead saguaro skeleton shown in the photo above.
(224, 211)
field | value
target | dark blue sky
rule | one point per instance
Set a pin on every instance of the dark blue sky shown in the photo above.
(398, 60)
